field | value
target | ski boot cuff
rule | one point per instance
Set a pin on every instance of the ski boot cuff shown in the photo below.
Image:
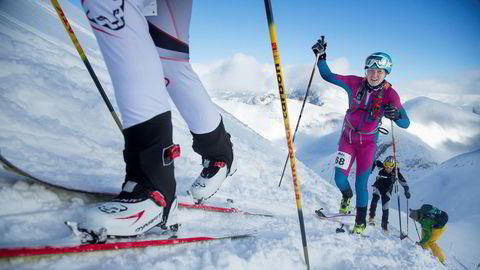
(214, 146)
(347, 193)
(150, 132)
(361, 216)
(149, 154)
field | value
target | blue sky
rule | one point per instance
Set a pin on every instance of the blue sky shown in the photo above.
(428, 39)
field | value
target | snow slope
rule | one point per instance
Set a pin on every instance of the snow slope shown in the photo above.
(54, 124)
(454, 186)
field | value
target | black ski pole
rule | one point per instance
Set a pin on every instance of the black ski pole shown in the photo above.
(407, 217)
(414, 222)
(402, 236)
(80, 51)
(396, 180)
(301, 112)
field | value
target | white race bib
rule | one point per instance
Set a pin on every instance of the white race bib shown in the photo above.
(342, 160)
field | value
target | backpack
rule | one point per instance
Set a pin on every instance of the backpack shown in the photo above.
(360, 101)
(440, 217)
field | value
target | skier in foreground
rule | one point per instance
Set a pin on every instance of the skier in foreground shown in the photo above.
(148, 61)
(370, 98)
(433, 222)
(383, 187)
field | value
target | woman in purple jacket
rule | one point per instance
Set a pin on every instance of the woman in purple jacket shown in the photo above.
(370, 98)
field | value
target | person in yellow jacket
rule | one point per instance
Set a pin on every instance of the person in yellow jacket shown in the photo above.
(433, 222)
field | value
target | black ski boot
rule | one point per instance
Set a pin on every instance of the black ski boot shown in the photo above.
(218, 162)
(147, 198)
(360, 220)
(346, 201)
(385, 220)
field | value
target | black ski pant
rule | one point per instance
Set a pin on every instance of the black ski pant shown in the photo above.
(385, 196)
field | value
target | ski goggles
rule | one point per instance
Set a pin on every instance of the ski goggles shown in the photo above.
(380, 62)
(388, 164)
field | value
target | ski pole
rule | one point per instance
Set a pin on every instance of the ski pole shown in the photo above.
(301, 112)
(396, 180)
(291, 146)
(402, 236)
(80, 51)
(414, 222)
(407, 217)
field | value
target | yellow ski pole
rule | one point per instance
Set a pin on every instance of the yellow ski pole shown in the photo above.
(74, 39)
(300, 114)
(291, 146)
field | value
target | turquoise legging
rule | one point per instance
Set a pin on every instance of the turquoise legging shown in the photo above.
(363, 153)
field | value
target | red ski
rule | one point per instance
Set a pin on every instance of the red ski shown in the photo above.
(220, 209)
(52, 250)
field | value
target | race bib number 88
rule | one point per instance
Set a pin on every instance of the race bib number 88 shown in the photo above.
(342, 160)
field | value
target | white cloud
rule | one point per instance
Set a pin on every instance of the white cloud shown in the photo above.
(239, 73)
(465, 83)
(243, 73)
(461, 90)
(297, 76)
(448, 129)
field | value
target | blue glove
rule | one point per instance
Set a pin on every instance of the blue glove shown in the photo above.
(319, 49)
(407, 194)
(391, 112)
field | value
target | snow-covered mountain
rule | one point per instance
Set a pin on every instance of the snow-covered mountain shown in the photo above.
(54, 124)
(450, 130)
(454, 174)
